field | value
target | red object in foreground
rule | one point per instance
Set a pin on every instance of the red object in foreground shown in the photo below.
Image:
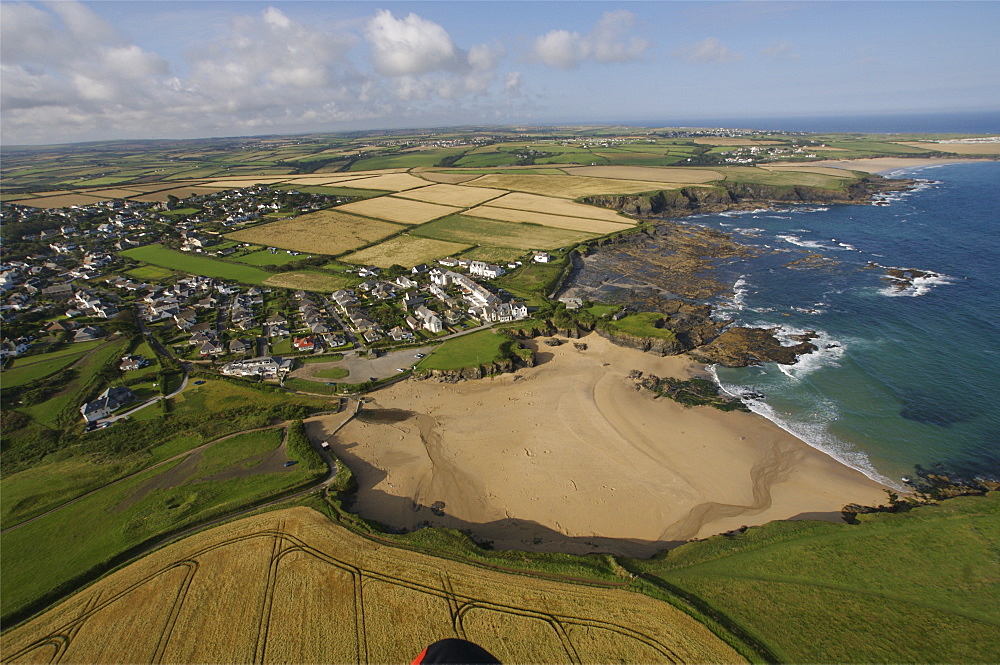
(455, 652)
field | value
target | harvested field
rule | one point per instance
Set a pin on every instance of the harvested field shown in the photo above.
(448, 178)
(551, 206)
(62, 201)
(957, 148)
(494, 233)
(565, 186)
(453, 195)
(648, 173)
(494, 254)
(401, 211)
(320, 179)
(804, 168)
(324, 232)
(555, 221)
(179, 192)
(118, 193)
(228, 183)
(307, 590)
(405, 250)
(393, 182)
(309, 281)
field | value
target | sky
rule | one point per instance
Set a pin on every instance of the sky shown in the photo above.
(80, 71)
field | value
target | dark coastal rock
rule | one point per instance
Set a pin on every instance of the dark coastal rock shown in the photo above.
(656, 346)
(742, 347)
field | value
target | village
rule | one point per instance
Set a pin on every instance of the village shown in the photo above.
(70, 284)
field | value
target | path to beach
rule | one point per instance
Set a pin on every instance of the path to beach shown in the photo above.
(568, 456)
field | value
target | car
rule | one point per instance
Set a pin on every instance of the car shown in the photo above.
(291, 462)
(198, 383)
(419, 355)
(330, 383)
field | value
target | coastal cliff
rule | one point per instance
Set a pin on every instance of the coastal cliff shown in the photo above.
(739, 196)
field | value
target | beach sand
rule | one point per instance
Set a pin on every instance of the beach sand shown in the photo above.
(568, 456)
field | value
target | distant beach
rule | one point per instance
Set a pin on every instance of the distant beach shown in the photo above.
(568, 456)
(883, 164)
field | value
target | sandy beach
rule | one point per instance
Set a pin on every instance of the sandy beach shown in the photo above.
(568, 456)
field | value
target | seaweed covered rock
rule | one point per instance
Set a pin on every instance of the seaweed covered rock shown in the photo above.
(742, 347)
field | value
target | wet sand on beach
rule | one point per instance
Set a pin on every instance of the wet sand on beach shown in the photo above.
(568, 456)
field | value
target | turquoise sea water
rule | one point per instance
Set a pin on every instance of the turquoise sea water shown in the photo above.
(904, 376)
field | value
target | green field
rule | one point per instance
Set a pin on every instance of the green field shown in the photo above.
(29, 368)
(131, 512)
(332, 373)
(467, 351)
(642, 324)
(919, 586)
(57, 410)
(493, 233)
(532, 280)
(266, 258)
(154, 273)
(307, 386)
(159, 255)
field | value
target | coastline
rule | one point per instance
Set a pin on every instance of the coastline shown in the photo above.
(568, 456)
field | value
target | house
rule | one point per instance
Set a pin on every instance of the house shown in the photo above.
(399, 334)
(132, 363)
(88, 334)
(448, 261)
(541, 257)
(240, 345)
(10, 349)
(268, 367)
(109, 401)
(433, 323)
(369, 271)
(211, 348)
(58, 291)
(485, 269)
(405, 282)
(419, 269)
(303, 343)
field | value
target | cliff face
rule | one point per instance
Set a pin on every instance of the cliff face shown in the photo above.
(730, 196)
(660, 347)
(499, 366)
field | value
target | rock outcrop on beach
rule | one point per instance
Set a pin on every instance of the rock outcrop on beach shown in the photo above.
(742, 347)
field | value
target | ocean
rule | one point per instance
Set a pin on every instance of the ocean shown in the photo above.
(907, 373)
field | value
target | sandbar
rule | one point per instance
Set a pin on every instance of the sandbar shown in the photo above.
(568, 456)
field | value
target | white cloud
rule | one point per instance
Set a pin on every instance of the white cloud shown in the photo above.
(70, 75)
(779, 51)
(408, 46)
(707, 50)
(609, 41)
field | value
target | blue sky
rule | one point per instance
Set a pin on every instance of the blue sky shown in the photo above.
(75, 71)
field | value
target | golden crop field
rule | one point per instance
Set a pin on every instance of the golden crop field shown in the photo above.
(803, 168)
(564, 186)
(61, 201)
(405, 250)
(551, 206)
(292, 587)
(117, 193)
(334, 178)
(179, 192)
(308, 281)
(453, 195)
(494, 254)
(957, 148)
(657, 174)
(323, 232)
(391, 182)
(448, 178)
(248, 181)
(494, 233)
(402, 211)
(556, 221)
